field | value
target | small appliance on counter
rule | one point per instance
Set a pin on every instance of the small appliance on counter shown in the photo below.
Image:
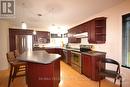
(67, 45)
(85, 48)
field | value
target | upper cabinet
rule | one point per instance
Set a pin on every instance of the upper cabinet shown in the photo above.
(41, 37)
(77, 30)
(71, 38)
(97, 30)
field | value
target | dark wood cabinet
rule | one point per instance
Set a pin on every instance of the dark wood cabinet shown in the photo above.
(86, 65)
(82, 28)
(97, 30)
(59, 51)
(50, 50)
(41, 37)
(77, 30)
(43, 75)
(71, 38)
(56, 50)
(69, 57)
(91, 66)
(74, 40)
(97, 67)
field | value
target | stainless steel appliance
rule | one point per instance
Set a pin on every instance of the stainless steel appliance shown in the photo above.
(76, 60)
(65, 55)
(23, 43)
(85, 48)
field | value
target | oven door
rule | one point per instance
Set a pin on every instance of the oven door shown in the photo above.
(76, 58)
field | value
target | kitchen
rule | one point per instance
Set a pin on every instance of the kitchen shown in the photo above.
(112, 46)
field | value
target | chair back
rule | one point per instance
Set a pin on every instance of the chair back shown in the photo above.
(16, 53)
(10, 56)
(111, 61)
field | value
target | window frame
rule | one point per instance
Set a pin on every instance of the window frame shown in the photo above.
(124, 32)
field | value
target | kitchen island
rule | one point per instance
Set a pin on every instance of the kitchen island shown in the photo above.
(43, 69)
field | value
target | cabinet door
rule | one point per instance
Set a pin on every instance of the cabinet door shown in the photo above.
(86, 65)
(91, 32)
(85, 27)
(42, 37)
(71, 38)
(82, 28)
(60, 52)
(96, 67)
(97, 30)
(51, 50)
(79, 29)
(69, 57)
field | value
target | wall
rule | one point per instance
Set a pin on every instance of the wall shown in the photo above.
(4, 25)
(113, 45)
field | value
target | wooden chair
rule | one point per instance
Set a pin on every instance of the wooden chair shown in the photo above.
(16, 53)
(111, 73)
(16, 67)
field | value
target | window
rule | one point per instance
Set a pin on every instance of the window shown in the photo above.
(126, 40)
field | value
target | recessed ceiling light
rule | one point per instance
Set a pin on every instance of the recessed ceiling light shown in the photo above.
(39, 14)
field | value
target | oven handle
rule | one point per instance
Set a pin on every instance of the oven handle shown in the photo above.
(75, 53)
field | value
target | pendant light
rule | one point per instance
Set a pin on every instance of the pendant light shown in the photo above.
(34, 32)
(23, 24)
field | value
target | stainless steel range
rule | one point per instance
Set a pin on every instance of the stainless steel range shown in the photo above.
(76, 56)
(86, 48)
(76, 61)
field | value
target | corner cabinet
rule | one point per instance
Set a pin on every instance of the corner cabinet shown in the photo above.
(97, 30)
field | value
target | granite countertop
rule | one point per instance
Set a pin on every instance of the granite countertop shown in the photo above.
(38, 57)
(91, 53)
(94, 53)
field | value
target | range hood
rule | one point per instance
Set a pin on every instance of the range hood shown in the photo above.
(81, 35)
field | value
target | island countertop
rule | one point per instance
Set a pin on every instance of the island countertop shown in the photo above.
(38, 57)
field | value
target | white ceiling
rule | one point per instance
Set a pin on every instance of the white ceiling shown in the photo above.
(58, 12)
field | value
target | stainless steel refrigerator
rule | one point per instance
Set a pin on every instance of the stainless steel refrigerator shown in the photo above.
(23, 43)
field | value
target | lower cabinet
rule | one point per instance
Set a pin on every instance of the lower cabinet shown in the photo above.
(50, 50)
(43, 75)
(86, 65)
(91, 66)
(67, 56)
